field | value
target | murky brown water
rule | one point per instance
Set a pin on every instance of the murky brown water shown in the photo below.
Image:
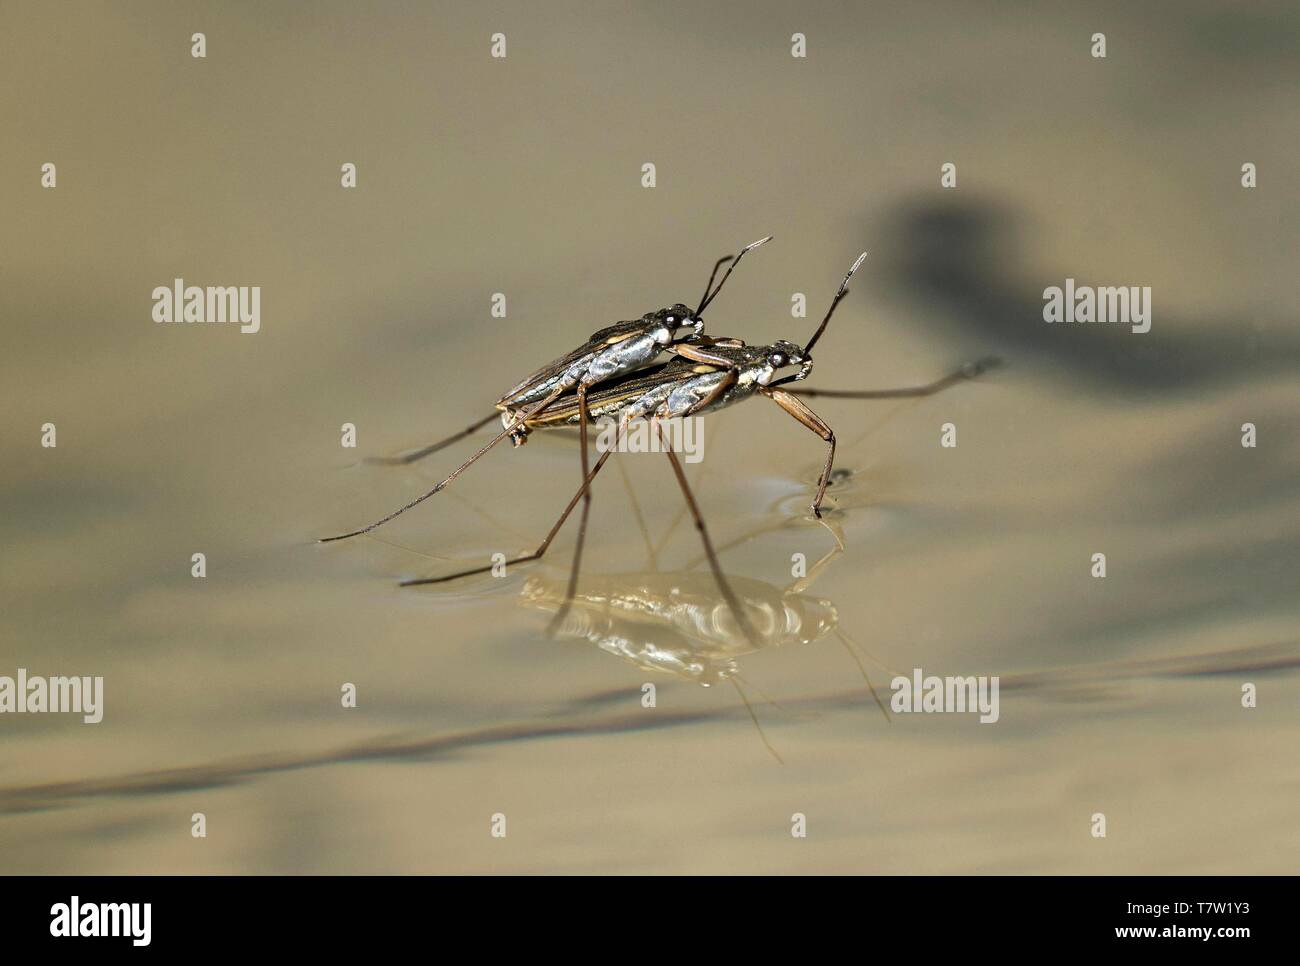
(476, 176)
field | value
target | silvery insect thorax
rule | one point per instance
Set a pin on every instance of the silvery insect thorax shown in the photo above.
(725, 372)
(608, 353)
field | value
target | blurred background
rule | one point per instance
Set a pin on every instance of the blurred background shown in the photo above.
(523, 176)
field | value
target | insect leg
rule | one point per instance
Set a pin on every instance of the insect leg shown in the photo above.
(576, 566)
(802, 584)
(419, 454)
(852, 652)
(971, 370)
(754, 718)
(542, 548)
(723, 585)
(514, 423)
(652, 557)
(801, 412)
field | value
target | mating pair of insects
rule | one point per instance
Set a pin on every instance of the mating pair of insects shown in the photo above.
(617, 374)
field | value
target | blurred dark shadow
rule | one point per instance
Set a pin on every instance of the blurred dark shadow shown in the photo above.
(955, 263)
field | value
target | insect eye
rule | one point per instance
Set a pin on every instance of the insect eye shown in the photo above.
(777, 359)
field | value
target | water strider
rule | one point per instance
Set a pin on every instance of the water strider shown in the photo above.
(704, 375)
(608, 353)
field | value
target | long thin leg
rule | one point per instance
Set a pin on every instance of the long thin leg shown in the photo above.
(515, 423)
(576, 566)
(671, 529)
(536, 554)
(802, 584)
(767, 698)
(723, 585)
(705, 468)
(971, 370)
(418, 454)
(801, 412)
(495, 523)
(652, 557)
(848, 646)
(754, 718)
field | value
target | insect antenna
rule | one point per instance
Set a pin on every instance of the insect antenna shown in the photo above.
(843, 291)
(807, 350)
(712, 275)
(710, 296)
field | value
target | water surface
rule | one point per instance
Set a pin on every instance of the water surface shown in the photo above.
(1118, 695)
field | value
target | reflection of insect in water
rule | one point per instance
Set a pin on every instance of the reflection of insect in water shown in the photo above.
(670, 622)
